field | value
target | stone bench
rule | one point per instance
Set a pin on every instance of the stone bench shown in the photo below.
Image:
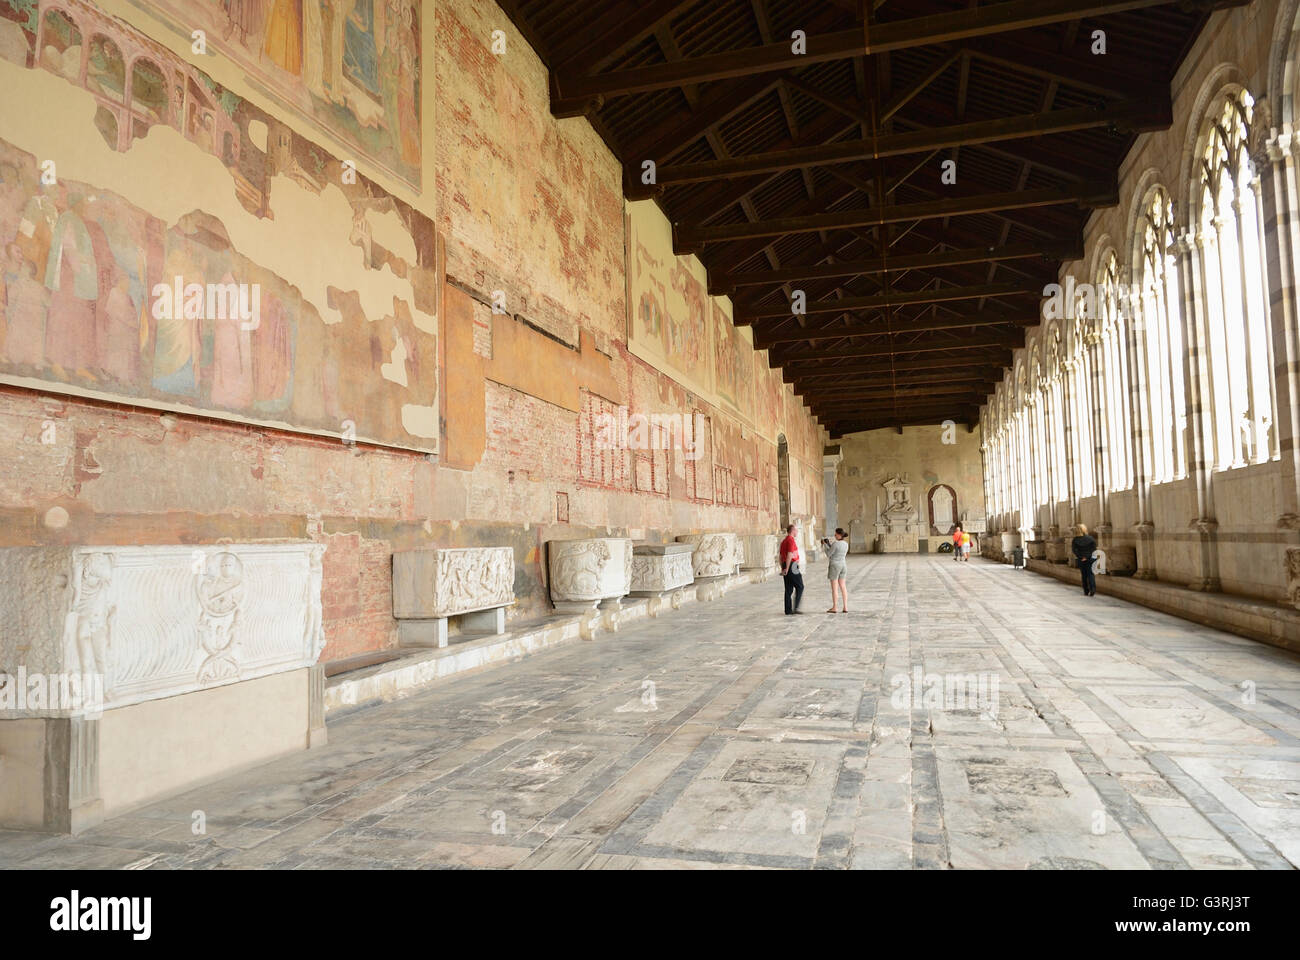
(474, 584)
(587, 573)
(661, 568)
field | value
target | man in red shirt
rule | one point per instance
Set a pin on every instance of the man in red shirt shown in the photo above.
(791, 570)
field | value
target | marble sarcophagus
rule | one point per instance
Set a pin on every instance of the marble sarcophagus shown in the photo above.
(430, 586)
(584, 573)
(660, 568)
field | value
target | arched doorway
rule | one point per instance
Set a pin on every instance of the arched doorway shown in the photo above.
(783, 479)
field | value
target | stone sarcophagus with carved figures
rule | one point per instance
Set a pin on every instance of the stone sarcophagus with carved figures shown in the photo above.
(660, 568)
(190, 660)
(714, 554)
(475, 584)
(584, 573)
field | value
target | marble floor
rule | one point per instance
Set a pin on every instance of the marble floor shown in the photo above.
(960, 715)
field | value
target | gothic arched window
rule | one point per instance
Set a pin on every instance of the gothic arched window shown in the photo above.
(1114, 319)
(1161, 325)
(1239, 351)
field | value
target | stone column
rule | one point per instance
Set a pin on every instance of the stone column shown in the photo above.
(1140, 430)
(1101, 460)
(1280, 197)
(830, 469)
(1200, 437)
(1067, 430)
(1049, 460)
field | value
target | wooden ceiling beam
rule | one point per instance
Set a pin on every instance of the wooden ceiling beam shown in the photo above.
(612, 32)
(840, 45)
(792, 333)
(783, 357)
(925, 367)
(746, 314)
(1060, 249)
(1139, 116)
(688, 239)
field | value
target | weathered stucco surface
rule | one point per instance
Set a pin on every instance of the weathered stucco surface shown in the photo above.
(526, 205)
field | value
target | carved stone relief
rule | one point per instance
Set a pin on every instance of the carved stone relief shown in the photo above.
(157, 621)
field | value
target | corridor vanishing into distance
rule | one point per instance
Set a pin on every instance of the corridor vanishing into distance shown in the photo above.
(1077, 733)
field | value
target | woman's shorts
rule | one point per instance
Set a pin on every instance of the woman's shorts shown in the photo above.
(837, 571)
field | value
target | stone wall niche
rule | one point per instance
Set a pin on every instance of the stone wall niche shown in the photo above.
(474, 584)
(661, 568)
(129, 673)
(587, 573)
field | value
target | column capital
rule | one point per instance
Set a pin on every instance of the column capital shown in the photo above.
(1281, 144)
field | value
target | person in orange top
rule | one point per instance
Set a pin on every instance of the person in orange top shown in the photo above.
(956, 542)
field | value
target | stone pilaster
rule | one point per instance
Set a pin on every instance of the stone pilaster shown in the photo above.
(1200, 426)
(831, 460)
(1279, 196)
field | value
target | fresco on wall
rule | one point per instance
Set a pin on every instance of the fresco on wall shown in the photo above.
(100, 297)
(768, 411)
(733, 358)
(674, 325)
(350, 67)
(669, 323)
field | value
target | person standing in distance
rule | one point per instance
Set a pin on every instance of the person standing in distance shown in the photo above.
(791, 570)
(1083, 546)
(837, 551)
(956, 542)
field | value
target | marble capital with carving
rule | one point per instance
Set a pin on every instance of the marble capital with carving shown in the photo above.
(158, 621)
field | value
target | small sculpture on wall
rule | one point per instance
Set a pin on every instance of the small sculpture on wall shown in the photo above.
(90, 621)
(220, 589)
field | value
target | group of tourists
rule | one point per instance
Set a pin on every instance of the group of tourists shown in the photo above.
(960, 544)
(1083, 546)
(837, 569)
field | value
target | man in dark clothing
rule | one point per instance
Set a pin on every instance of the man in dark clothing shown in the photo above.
(1083, 547)
(791, 570)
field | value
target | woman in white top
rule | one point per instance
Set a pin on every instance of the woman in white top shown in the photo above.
(836, 552)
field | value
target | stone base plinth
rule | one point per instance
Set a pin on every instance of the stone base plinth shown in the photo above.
(898, 543)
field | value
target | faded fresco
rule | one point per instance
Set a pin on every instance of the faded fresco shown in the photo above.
(670, 322)
(676, 326)
(768, 408)
(351, 67)
(733, 359)
(103, 298)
